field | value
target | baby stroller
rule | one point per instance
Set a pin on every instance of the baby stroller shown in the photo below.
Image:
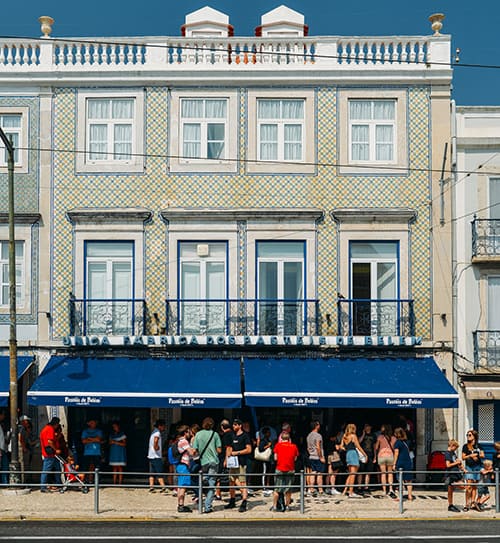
(70, 478)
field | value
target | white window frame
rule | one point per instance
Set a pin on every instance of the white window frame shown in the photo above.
(21, 283)
(309, 152)
(110, 164)
(280, 124)
(21, 164)
(226, 164)
(399, 162)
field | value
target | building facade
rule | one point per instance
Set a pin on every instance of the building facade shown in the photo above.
(227, 205)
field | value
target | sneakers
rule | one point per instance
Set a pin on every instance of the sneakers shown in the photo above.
(354, 496)
(267, 493)
(243, 506)
(392, 495)
(231, 504)
(163, 490)
(183, 509)
(453, 508)
(207, 511)
(152, 490)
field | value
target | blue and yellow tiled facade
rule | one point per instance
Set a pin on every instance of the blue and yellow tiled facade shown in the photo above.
(157, 189)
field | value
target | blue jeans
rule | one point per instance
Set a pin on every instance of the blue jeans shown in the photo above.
(209, 479)
(4, 467)
(49, 465)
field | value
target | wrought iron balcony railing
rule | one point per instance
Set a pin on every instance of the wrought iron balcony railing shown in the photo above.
(365, 317)
(110, 317)
(485, 237)
(486, 349)
(241, 317)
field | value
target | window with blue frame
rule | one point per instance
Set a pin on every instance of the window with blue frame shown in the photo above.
(109, 287)
(487, 422)
(280, 287)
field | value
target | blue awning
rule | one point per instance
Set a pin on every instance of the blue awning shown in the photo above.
(346, 383)
(135, 382)
(23, 363)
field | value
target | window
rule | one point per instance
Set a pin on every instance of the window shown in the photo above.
(109, 304)
(203, 128)
(11, 125)
(112, 133)
(280, 129)
(372, 128)
(20, 274)
(202, 287)
(14, 122)
(374, 278)
(280, 287)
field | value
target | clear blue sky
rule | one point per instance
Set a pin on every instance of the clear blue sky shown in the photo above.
(474, 26)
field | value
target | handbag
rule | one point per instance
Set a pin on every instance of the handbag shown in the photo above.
(362, 457)
(263, 456)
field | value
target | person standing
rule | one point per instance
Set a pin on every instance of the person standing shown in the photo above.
(403, 460)
(473, 456)
(316, 456)
(367, 440)
(240, 448)
(454, 474)
(285, 455)
(182, 468)
(384, 451)
(155, 456)
(48, 446)
(223, 479)
(27, 443)
(117, 452)
(208, 446)
(351, 446)
(4, 455)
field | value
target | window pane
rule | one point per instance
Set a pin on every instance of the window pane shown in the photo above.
(97, 280)
(215, 109)
(122, 279)
(374, 250)
(268, 142)
(190, 277)
(10, 121)
(360, 110)
(123, 109)
(494, 198)
(494, 303)
(293, 142)
(123, 142)
(215, 280)
(192, 109)
(292, 288)
(384, 109)
(268, 109)
(268, 280)
(98, 141)
(360, 142)
(280, 250)
(384, 145)
(98, 109)
(192, 140)
(109, 249)
(292, 109)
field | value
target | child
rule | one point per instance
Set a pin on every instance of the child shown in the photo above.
(454, 473)
(496, 456)
(483, 492)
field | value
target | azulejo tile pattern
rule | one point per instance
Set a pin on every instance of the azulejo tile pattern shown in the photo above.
(157, 189)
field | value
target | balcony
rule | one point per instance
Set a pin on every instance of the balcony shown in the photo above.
(262, 317)
(364, 317)
(104, 317)
(487, 349)
(485, 240)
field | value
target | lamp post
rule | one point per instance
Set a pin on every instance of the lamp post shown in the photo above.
(14, 467)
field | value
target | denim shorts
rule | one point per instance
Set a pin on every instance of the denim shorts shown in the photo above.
(317, 466)
(155, 465)
(472, 473)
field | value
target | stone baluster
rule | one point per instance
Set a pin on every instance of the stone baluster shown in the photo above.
(369, 53)
(378, 53)
(404, 51)
(422, 51)
(387, 52)
(17, 57)
(121, 54)
(78, 53)
(131, 49)
(88, 56)
(396, 57)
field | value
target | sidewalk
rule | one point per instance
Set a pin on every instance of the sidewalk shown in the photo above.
(137, 503)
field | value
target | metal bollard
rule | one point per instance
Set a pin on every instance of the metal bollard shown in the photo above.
(302, 492)
(497, 490)
(96, 492)
(200, 492)
(400, 485)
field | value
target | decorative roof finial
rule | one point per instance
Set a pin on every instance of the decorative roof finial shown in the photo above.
(46, 23)
(436, 20)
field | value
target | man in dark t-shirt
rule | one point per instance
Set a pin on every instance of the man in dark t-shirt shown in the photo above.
(237, 453)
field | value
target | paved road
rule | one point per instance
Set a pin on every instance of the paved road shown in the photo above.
(480, 531)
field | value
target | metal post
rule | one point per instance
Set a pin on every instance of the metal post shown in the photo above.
(200, 492)
(400, 483)
(302, 492)
(497, 490)
(96, 491)
(14, 466)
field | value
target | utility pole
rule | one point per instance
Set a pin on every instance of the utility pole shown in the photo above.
(14, 467)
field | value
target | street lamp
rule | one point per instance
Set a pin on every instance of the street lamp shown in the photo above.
(14, 466)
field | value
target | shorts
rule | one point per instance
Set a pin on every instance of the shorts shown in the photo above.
(91, 460)
(483, 490)
(453, 477)
(472, 473)
(385, 460)
(155, 465)
(284, 481)
(317, 466)
(352, 458)
(184, 478)
(238, 474)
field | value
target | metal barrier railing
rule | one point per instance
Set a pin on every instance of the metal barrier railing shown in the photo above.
(198, 485)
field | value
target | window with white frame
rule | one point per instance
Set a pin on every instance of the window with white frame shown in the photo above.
(372, 128)
(112, 133)
(11, 124)
(280, 129)
(203, 126)
(20, 273)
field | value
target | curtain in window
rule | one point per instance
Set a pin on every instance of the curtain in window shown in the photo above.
(123, 141)
(384, 142)
(123, 109)
(268, 109)
(98, 109)
(215, 140)
(360, 142)
(495, 198)
(292, 109)
(494, 303)
(215, 109)
(360, 110)
(192, 109)
(192, 140)
(98, 141)
(383, 109)
(10, 121)
(293, 142)
(268, 142)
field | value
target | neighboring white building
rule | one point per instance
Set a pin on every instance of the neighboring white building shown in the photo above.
(477, 269)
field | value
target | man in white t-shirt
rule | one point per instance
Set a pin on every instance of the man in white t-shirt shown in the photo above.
(155, 456)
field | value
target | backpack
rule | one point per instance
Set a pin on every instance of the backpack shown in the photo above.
(174, 455)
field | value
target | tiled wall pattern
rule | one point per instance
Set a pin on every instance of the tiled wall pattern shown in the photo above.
(156, 189)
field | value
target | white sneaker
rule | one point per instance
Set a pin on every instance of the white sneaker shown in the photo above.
(335, 492)
(267, 493)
